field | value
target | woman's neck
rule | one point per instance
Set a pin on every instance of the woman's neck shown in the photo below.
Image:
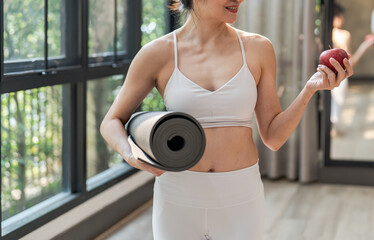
(202, 31)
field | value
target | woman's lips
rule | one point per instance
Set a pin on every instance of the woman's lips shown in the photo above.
(233, 9)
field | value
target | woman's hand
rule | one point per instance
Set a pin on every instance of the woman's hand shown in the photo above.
(134, 162)
(132, 155)
(369, 41)
(326, 79)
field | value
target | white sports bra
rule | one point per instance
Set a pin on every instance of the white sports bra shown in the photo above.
(230, 105)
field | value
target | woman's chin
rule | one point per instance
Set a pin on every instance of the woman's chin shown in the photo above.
(231, 21)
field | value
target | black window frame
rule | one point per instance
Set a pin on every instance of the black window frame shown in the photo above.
(1, 76)
(75, 77)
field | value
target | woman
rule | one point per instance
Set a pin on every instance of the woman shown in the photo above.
(221, 76)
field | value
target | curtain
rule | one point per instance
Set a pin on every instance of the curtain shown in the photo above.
(289, 24)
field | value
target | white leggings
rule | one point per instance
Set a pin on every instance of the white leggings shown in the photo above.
(216, 206)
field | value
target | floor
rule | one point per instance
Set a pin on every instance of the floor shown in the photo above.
(294, 212)
(353, 138)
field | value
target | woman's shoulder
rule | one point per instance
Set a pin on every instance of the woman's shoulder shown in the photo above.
(159, 49)
(153, 56)
(256, 44)
(341, 31)
(254, 39)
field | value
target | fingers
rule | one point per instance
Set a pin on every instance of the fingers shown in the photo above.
(336, 65)
(324, 75)
(341, 72)
(348, 68)
(328, 76)
(369, 40)
(155, 171)
(136, 163)
(334, 79)
(327, 79)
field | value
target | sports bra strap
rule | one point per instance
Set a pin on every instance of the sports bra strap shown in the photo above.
(242, 48)
(175, 49)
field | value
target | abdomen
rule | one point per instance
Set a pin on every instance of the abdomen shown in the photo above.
(227, 149)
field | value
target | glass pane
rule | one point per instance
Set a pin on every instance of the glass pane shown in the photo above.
(153, 102)
(55, 27)
(122, 26)
(153, 20)
(101, 27)
(31, 148)
(352, 134)
(352, 103)
(153, 27)
(23, 29)
(182, 18)
(100, 96)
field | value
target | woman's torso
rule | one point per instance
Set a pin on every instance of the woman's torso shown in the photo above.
(229, 147)
(341, 39)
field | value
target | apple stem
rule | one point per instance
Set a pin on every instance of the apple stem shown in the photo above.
(330, 46)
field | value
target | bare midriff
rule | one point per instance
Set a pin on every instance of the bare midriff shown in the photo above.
(227, 149)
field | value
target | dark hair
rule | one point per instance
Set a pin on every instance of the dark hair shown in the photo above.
(338, 9)
(175, 5)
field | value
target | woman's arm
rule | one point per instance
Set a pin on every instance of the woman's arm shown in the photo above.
(139, 81)
(275, 125)
(364, 46)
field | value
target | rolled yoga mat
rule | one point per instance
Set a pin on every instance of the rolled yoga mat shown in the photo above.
(171, 141)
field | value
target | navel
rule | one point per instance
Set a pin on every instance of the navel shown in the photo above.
(211, 170)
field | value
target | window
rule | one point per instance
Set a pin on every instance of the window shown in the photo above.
(56, 56)
(100, 157)
(108, 28)
(31, 137)
(154, 26)
(24, 32)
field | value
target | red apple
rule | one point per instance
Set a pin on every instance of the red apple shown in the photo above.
(337, 53)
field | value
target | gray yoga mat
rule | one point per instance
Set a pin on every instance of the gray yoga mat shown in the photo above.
(172, 141)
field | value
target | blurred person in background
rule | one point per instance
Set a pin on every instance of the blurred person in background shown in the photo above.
(341, 38)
